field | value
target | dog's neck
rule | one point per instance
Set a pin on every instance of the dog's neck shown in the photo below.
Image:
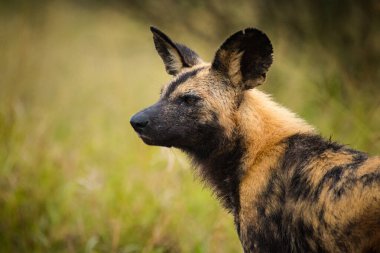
(261, 124)
(265, 124)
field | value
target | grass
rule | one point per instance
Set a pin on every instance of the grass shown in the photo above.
(73, 175)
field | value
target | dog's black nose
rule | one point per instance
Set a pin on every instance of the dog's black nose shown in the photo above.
(139, 121)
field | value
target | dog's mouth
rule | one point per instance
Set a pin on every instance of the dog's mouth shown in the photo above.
(152, 141)
(146, 139)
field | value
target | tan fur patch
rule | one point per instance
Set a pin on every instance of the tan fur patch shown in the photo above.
(370, 166)
(255, 180)
(318, 167)
(175, 60)
(234, 71)
(272, 123)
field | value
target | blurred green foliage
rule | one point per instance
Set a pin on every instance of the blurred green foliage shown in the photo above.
(73, 175)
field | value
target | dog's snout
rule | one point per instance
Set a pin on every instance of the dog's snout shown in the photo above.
(139, 121)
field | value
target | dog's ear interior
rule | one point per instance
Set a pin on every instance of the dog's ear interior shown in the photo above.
(174, 55)
(244, 58)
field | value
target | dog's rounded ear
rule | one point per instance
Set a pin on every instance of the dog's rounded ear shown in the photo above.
(174, 55)
(244, 58)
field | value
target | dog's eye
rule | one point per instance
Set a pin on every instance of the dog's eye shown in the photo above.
(190, 99)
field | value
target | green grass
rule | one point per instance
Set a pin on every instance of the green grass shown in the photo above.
(73, 175)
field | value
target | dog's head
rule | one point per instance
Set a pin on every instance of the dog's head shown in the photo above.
(197, 107)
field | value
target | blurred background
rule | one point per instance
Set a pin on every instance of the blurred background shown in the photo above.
(73, 175)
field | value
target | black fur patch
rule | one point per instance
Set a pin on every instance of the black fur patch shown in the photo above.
(331, 178)
(223, 172)
(181, 79)
(301, 150)
(257, 54)
(163, 43)
(220, 164)
(190, 58)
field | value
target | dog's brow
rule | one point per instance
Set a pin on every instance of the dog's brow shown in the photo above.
(182, 79)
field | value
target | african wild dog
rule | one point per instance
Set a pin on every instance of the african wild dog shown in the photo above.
(288, 189)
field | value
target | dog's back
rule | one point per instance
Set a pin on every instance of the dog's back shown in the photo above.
(319, 197)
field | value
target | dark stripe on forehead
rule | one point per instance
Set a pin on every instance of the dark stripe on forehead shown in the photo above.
(182, 79)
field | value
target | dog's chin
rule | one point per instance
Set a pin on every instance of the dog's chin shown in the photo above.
(154, 142)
